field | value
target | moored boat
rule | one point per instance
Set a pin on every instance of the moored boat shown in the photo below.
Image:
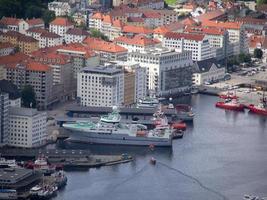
(230, 104)
(60, 179)
(261, 108)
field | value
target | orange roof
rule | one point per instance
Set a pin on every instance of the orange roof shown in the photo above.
(35, 21)
(36, 66)
(175, 26)
(101, 45)
(78, 47)
(226, 25)
(210, 15)
(14, 58)
(118, 23)
(107, 19)
(97, 15)
(61, 21)
(10, 21)
(189, 22)
(205, 30)
(137, 40)
(6, 45)
(149, 14)
(187, 36)
(136, 29)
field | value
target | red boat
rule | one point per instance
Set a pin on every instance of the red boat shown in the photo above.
(179, 126)
(228, 96)
(230, 104)
(259, 109)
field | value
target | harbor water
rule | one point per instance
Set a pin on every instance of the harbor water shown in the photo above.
(223, 155)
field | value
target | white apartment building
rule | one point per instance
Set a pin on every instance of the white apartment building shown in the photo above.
(60, 26)
(207, 71)
(48, 39)
(198, 44)
(4, 118)
(75, 35)
(60, 8)
(100, 86)
(168, 71)
(27, 127)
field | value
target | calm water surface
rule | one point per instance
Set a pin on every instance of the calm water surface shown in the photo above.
(223, 155)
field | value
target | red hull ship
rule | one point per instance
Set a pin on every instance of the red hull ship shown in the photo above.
(230, 106)
(260, 109)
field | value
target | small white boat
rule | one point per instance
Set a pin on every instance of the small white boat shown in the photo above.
(7, 163)
(148, 102)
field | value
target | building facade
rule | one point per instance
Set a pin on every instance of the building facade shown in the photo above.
(27, 127)
(4, 118)
(100, 86)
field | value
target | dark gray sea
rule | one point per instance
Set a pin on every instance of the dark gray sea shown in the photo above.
(223, 155)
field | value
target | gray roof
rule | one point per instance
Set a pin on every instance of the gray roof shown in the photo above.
(205, 65)
(14, 174)
(10, 88)
(28, 112)
(109, 70)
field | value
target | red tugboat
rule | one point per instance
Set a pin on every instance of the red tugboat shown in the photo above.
(261, 108)
(229, 95)
(230, 104)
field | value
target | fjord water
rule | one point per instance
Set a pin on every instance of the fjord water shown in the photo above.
(223, 155)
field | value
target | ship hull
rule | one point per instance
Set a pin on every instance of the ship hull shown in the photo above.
(117, 139)
(222, 105)
(256, 110)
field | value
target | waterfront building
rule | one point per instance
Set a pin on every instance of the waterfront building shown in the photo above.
(60, 8)
(4, 118)
(60, 26)
(75, 35)
(100, 86)
(136, 43)
(6, 48)
(207, 71)
(27, 127)
(107, 51)
(168, 71)
(198, 44)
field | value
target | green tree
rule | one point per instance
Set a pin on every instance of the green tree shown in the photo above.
(259, 2)
(244, 58)
(48, 16)
(258, 53)
(97, 34)
(28, 97)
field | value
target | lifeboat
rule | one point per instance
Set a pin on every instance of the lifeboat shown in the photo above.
(179, 126)
(231, 105)
(258, 109)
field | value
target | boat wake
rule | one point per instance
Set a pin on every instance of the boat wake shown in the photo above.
(195, 180)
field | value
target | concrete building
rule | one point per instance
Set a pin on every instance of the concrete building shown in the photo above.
(4, 118)
(168, 72)
(48, 39)
(207, 71)
(12, 91)
(60, 26)
(6, 48)
(75, 35)
(27, 127)
(100, 86)
(198, 44)
(60, 8)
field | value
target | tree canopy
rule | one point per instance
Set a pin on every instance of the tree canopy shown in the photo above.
(28, 97)
(97, 34)
(258, 53)
(259, 2)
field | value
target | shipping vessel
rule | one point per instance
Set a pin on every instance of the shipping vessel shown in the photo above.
(109, 130)
(230, 104)
(261, 108)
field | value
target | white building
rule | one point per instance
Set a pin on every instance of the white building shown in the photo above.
(207, 71)
(60, 26)
(4, 118)
(6, 48)
(27, 127)
(48, 39)
(100, 86)
(60, 8)
(198, 44)
(168, 71)
(75, 35)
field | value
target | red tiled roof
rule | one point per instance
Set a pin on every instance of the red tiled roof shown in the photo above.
(149, 14)
(78, 47)
(77, 31)
(136, 29)
(36, 30)
(107, 19)
(36, 66)
(210, 15)
(50, 35)
(189, 22)
(6, 45)
(25, 38)
(61, 21)
(205, 30)
(117, 23)
(97, 15)
(226, 25)
(135, 19)
(15, 58)
(101, 45)
(187, 36)
(35, 21)
(175, 26)
(10, 21)
(250, 20)
(137, 40)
